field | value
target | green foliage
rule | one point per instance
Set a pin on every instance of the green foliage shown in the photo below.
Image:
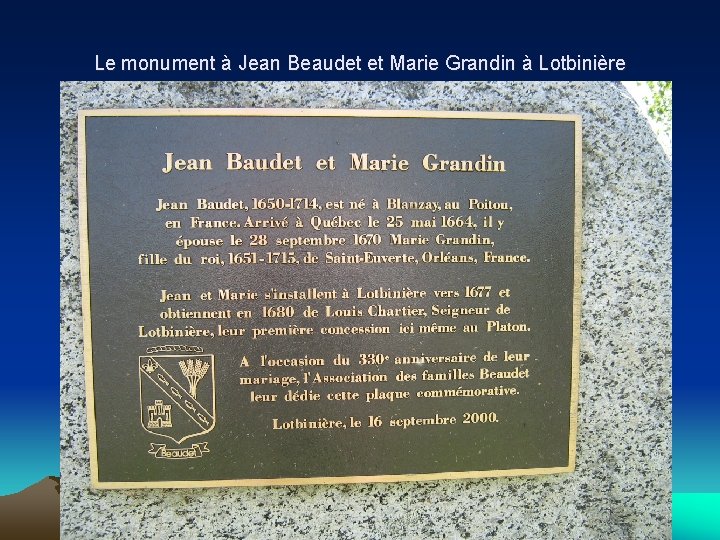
(660, 103)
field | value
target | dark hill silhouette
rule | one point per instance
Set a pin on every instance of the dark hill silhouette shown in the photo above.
(33, 513)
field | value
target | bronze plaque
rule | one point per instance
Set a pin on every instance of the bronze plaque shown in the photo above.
(317, 296)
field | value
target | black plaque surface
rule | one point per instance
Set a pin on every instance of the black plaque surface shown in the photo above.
(294, 296)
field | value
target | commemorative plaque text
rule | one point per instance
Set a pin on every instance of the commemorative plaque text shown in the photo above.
(295, 296)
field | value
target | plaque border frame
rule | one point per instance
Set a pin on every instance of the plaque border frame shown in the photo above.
(304, 112)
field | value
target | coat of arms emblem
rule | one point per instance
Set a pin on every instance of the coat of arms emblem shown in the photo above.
(177, 397)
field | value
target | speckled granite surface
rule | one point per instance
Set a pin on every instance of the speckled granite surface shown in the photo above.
(622, 485)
